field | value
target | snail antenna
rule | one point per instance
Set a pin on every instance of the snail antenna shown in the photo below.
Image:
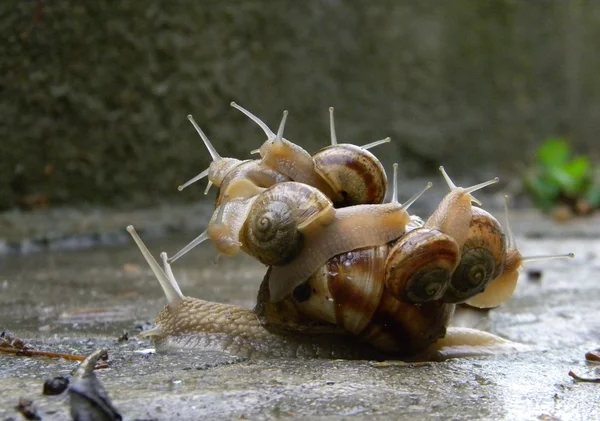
(467, 190)
(548, 257)
(169, 272)
(332, 127)
(395, 190)
(482, 185)
(254, 118)
(395, 184)
(279, 137)
(168, 283)
(198, 240)
(377, 143)
(512, 244)
(213, 154)
(413, 199)
(193, 180)
(447, 178)
(211, 149)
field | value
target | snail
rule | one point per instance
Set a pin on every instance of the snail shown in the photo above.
(295, 228)
(346, 173)
(188, 322)
(235, 178)
(502, 287)
(352, 171)
(345, 279)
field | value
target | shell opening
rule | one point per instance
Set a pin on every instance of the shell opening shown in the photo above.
(168, 283)
(254, 118)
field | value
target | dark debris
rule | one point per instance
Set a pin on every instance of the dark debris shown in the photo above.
(27, 408)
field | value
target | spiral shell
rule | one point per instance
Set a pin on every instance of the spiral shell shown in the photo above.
(420, 265)
(348, 295)
(353, 172)
(273, 229)
(346, 290)
(482, 258)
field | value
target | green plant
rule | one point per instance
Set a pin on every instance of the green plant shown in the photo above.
(556, 177)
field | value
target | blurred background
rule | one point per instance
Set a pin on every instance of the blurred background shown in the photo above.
(94, 95)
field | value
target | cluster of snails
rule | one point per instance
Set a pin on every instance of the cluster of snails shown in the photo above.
(348, 275)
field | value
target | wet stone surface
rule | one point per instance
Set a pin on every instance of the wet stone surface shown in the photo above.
(80, 301)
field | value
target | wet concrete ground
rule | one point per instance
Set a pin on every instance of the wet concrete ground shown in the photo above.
(79, 301)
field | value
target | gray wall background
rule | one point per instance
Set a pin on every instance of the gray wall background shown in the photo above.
(94, 95)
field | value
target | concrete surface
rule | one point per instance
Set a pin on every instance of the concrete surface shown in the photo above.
(79, 301)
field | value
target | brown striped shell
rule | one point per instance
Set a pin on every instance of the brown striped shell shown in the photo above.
(353, 172)
(419, 266)
(482, 258)
(348, 294)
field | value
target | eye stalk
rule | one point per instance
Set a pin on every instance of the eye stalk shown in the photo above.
(453, 215)
(218, 169)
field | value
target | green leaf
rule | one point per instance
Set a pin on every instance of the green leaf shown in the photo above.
(554, 151)
(543, 190)
(579, 168)
(572, 176)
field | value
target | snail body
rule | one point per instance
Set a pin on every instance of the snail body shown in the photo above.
(187, 322)
(235, 178)
(288, 158)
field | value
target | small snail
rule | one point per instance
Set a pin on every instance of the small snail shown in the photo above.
(345, 279)
(502, 287)
(235, 178)
(288, 158)
(346, 173)
(352, 171)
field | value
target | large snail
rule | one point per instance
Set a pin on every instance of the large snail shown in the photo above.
(348, 276)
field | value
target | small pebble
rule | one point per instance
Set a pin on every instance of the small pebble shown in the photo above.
(534, 275)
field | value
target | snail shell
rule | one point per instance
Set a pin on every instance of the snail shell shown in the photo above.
(420, 265)
(275, 225)
(353, 172)
(482, 258)
(348, 295)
